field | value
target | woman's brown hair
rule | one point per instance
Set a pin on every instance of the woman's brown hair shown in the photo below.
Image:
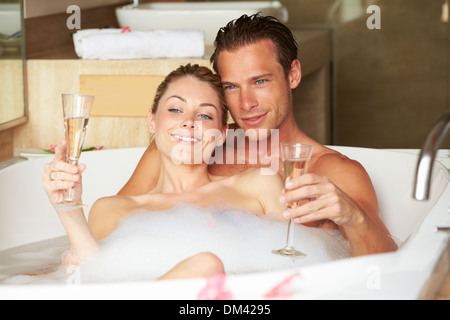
(200, 73)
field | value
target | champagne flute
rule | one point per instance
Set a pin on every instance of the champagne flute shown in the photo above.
(76, 110)
(295, 158)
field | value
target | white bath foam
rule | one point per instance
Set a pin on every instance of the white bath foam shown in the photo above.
(146, 245)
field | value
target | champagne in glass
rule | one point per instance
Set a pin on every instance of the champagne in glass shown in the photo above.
(75, 129)
(76, 110)
(295, 158)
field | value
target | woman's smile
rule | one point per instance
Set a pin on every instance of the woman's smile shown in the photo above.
(185, 139)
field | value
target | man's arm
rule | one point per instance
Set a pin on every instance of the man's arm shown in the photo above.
(145, 176)
(342, 191)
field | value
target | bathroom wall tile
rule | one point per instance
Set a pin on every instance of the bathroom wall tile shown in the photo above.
(389, 84)
(38, 8)
(45, 35)
(11, 80)
(121, 95)
(48, 79)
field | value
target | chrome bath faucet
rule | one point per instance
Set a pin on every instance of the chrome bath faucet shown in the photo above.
(427, 156)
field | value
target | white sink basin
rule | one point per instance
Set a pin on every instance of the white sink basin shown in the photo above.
(206, 16)
(10, 18)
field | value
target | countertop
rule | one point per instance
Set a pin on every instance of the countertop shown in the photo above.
(314, 50)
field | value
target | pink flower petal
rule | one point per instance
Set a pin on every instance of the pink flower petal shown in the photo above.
(215, 289)
(282, 289)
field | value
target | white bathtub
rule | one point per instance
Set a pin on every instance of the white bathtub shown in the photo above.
(414, 271)
(206, 16)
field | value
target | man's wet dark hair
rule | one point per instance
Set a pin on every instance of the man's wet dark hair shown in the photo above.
(252, 29)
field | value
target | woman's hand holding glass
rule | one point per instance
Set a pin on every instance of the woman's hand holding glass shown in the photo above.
(59, 176)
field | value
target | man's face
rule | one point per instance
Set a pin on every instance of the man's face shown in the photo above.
(256, 88)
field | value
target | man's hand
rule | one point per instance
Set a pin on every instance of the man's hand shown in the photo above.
(324, 201)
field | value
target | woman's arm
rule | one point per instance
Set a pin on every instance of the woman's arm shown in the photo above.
(82, 240)
(58, 176)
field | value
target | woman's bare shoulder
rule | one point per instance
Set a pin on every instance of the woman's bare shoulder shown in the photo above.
(263, 184)
(106, 212)
(253, 182)
(255, 177)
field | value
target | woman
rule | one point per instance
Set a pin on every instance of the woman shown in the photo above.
(188, 120)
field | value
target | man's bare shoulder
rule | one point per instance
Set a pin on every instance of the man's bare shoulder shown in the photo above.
(329, 161)
(349, 175)
(146, 174)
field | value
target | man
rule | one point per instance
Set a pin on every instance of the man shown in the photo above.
(256, 58)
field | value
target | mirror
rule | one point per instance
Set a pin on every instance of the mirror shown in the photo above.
(12, 64)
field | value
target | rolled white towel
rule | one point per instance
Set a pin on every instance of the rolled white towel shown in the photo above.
(109, 44)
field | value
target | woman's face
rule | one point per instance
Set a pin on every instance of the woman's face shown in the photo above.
(187, 124)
